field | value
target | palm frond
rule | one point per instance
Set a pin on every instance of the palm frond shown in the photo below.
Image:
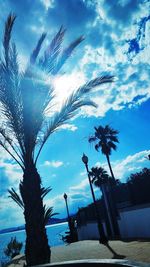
(45, 191)
(4, 145)
(112, 145)
(92, 139)
(49, 61)
(10, 97)
(10, 142)
(94, 83)
(67, 53)
(113, 138)
(7, 36)
(67, 111)
(97, 147)
(48, 213)
(37, 49)
(16, 197)
(75, 101)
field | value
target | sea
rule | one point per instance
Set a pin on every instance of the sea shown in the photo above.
(54, 233)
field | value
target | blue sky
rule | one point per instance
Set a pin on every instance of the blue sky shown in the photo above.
(116, 42)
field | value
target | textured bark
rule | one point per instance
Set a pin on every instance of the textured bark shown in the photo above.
(110, 168)
(113, 203)
(37, 250)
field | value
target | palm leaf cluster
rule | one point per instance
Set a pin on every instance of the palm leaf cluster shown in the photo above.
(105, 139)
(13, 248)
(99, 176)
(26, 97)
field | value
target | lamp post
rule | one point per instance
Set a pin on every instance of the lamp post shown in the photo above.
(103, 239)
(68, 215)
(65, 197)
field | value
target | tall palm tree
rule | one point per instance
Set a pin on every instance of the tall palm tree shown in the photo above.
(25, 100)
(105, 138)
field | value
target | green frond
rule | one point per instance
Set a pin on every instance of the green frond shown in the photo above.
(97, 147)
(37, 49)
(48, 213)
(92, 139)
(45, 191)
(75, 101)
(16, 197)
(67, 53)
(10, 142)
(49, 61)
(7, 36)
(94, 83)
(4, 145)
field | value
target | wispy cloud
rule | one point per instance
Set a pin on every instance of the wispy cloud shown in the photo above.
(53, 163)
(81, 186)
(70, 127)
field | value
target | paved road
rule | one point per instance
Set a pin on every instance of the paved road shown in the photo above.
(134, 251)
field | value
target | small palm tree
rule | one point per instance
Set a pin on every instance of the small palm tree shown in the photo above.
(105, 138)
(13, 248)
(25, 101)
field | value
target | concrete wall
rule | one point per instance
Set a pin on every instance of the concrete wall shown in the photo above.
(89, 231)
(133, 223)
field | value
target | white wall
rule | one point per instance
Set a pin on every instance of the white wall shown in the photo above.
(89, 231)
(134, 223)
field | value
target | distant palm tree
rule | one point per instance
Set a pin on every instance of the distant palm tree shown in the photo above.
(105, 138)
(99, 176)
(25, 101)
(102, 180)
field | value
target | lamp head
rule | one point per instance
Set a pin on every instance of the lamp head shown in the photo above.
(85, 159)
(65, 196)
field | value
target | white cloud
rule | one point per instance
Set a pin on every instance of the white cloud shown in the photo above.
(11, 169)
(81, 186)
(83, 173)
(53, 163)
(70, 127)
(47, 3)
(11, 214)
(131, 164)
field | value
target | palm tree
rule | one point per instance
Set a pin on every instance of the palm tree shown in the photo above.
(99, 176)
(105, 138)
(25, 101)
(101, 179)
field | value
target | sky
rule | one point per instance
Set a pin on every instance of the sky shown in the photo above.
(116, 43)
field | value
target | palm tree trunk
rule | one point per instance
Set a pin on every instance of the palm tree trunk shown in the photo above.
(110, 168)
(37, 250)
(108, 209)
(113, 202)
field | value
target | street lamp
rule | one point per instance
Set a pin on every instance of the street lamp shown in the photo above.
(68, 215)
(65, 197)
(103, 239)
